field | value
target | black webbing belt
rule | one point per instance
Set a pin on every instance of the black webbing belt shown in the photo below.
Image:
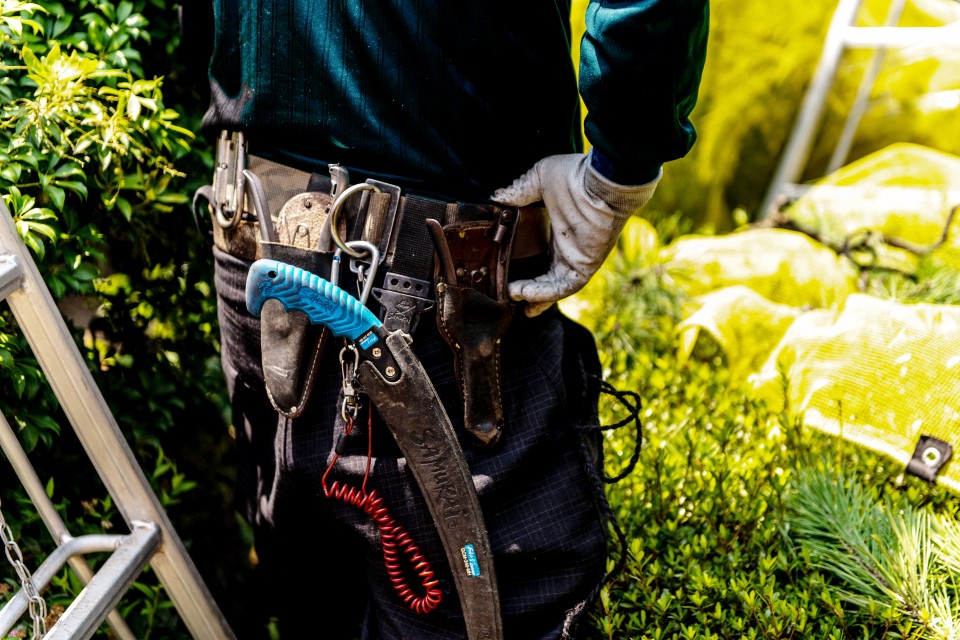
(406, 291)
(414, 255)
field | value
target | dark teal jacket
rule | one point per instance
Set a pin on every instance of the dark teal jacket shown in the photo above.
(455, 98)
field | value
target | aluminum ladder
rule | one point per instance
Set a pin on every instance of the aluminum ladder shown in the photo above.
(152, 539)
(841, 36)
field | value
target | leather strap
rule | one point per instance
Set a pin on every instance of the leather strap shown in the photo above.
(423, 431)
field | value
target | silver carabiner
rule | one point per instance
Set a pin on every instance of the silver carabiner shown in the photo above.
(366, 275)
(229, 182)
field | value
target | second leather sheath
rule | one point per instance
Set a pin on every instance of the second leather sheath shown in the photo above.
(473, 313)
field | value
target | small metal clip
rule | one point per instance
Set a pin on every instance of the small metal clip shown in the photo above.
(351, 403)
(365, 274)
(339, 180)
(506, 220)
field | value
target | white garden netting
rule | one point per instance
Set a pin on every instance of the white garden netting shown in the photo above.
(786, 309)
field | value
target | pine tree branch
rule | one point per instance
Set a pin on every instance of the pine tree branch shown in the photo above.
(901, 555)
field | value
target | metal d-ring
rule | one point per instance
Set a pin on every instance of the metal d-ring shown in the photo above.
(335, 212)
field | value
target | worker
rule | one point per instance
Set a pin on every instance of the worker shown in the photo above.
(467, 114)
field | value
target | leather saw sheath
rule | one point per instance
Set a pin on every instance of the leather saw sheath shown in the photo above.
(473, 314)
(291, 346)
(413, 413)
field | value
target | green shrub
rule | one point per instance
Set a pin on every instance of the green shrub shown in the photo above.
(90, 168)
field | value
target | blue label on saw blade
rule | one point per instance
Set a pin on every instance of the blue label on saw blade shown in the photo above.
(470, 560)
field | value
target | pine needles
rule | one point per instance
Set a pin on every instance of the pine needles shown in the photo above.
(894, 555)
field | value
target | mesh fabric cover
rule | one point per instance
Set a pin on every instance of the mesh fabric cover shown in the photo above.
(783, 266)
(786, 311)
(876, 372)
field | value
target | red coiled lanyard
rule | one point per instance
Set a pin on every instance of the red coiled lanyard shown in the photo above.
(397, 543)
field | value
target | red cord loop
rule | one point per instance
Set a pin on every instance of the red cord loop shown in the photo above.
(397, 543)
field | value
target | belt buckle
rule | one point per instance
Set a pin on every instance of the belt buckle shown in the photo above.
(402, 298)
(386, 243)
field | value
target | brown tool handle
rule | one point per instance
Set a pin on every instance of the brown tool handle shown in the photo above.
(414, 414)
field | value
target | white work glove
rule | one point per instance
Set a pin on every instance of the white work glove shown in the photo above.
(587, 213)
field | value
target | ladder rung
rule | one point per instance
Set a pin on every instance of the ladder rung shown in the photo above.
(10, 274)
(93, 543)
(893, 193)
(90, 608)
(901, 37)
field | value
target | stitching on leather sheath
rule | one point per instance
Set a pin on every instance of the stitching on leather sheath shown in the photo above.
(308, 382)
(457, 348)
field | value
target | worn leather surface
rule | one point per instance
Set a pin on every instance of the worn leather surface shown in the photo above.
(239, 241)
(291, 346)
(415, 416)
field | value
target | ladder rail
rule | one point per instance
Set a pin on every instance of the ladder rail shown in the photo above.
(97, 429)
(841, 36)
(862, 101)
(902, 37)
(814, 102)
(84, 615)
(51, 519)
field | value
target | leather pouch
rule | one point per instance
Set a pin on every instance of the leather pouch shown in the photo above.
(291, 346)
(473, 314)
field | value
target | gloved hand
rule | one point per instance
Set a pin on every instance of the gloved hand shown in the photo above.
(587, 213)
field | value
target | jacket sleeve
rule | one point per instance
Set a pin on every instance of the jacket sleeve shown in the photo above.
(640, 67)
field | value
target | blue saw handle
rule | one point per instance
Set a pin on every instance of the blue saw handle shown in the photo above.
(323, 302)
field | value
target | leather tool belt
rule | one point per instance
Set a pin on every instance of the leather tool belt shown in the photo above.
(477, 243)
(308, 221)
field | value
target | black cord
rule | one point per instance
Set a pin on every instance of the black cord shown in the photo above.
(630, 400)
(594, 468)
(596, 477)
